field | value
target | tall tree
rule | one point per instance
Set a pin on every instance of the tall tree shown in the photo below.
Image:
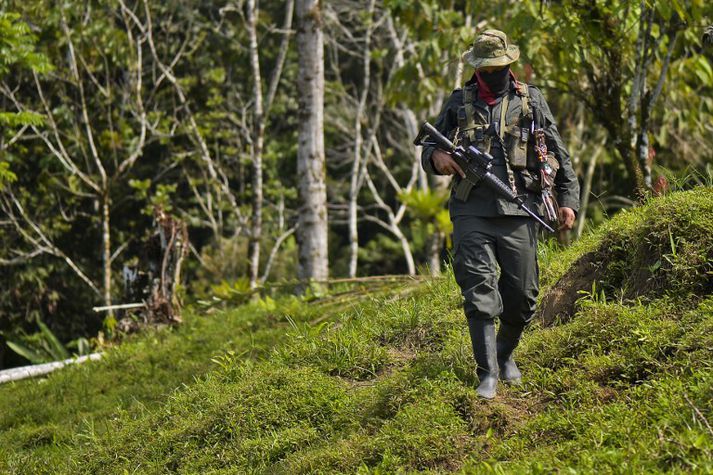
(261, 110)
(109, 132)
(258, 139)
(622, 78)
(312, 229)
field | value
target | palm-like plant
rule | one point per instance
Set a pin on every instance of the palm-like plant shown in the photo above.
(44, 346)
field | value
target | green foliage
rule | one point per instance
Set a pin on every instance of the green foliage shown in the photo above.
(6, 175)
(160, 198)
(27, 353)
(381, 254)
(44, 346)
(557, 43)
(386, 384)
(235, 293)
(428, 206)
(15, 119)
(18, 45)
(17, 49)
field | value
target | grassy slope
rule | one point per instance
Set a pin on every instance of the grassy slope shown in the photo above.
(623, 386)
(41, 418)
(38, 416)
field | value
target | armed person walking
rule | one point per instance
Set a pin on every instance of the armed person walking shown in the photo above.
(512, 121)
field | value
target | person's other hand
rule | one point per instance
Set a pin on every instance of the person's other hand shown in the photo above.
(445, 165)
(566, 218)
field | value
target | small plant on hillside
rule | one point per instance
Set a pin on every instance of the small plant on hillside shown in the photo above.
(45, 347)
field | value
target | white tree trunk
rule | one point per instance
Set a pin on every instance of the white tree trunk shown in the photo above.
(587, 188)
(258, 135)
(312, 222)
(24, 372)
(106, 249)
(355, 183)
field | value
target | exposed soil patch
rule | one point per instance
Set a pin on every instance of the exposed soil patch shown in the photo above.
(401, 355)
(662, 249)
(558, 304)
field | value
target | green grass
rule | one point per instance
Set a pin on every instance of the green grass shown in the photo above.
(37, 416)
(41, 418)
(387, 384)
(662, 248)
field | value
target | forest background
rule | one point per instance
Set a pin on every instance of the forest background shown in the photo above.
(111, 108)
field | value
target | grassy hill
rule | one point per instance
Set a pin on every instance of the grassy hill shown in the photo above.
(618, 378)
(41, 419)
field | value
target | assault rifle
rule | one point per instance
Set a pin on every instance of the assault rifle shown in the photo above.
(477, 167)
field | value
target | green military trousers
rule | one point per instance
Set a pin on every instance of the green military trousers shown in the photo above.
(481, 246)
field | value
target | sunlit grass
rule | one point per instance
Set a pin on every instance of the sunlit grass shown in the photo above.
(386, 382)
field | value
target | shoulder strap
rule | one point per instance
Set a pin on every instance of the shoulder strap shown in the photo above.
(468, 108)
(469, 94)
(503, 111)
(524, 94)
(501, 134)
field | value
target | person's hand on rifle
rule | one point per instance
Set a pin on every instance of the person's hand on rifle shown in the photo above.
(566, 220)
(445, 165)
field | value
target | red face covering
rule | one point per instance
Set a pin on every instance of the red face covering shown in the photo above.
(486, 93)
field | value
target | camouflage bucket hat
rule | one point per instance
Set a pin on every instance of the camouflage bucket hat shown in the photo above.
(491, 48)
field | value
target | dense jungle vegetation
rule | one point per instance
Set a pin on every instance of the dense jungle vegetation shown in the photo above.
(270, 145)
(112, 108)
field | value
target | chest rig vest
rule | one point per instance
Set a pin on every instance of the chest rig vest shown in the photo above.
(513, 134)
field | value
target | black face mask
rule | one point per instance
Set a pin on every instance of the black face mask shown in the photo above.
(498, 81)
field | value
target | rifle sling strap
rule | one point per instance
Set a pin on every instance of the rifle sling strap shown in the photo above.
(463, 186)
(501, 138)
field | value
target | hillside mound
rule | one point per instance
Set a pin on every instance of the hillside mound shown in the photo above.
(663, 248)
(388, 385)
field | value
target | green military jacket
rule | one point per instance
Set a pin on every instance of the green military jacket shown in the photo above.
(482, 201)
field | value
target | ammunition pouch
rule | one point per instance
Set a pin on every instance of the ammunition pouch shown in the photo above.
(471, 131)
(516, 137)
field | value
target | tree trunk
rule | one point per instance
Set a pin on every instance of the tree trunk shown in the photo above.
(586, 190)
(106, 250)
(256, 149)
(647, 103)
(312, 221)
(355, 182)
(435, 246)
